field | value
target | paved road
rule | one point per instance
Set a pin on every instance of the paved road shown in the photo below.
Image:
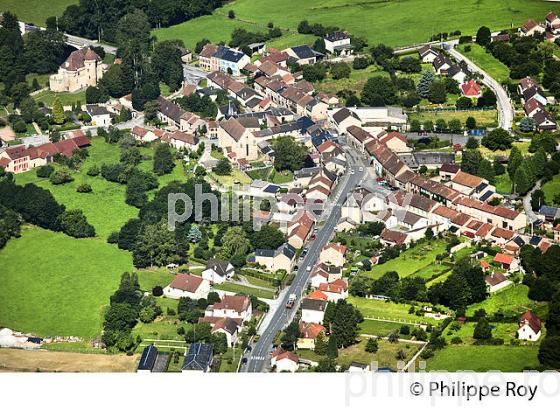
(192, 74)
(505, 108)
(531, 216)
(282, 317)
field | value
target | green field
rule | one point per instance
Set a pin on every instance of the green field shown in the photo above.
(484, 358)
(513, 299)
(551, 189)
(486, 118)
(35, 11)
(47, 97)
(376, 20)
(506, 331)
(379, 309)
(503, 184)
(53, 284)
(234, 287)
(104, 207)
(410, 261)
(379, 328)
(486, 61)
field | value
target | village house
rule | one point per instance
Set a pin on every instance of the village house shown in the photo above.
(333, 254)
(199, 358)
(148, 359)
(303, 55)
(299, 229)
(530, 28)
(552, 23)
(325, 273)
(308, 335)
(393, 238)
(471, 89)
(100, 116)
(226, 325)
(274, 260)
(338, 43)
(82, 68)
(496, 281)
(395, 141)
(218, 271)
(313, 310)
(236, 139)
(335, 290)
(284, 361)
(180, 140)
(529, 327)
(507, 262)
(234, 307)
(185, 285)
(428, 54)
(143, 134)
(499, 215)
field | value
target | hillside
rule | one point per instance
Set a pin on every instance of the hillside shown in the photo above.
(395, 22)
(35, 11)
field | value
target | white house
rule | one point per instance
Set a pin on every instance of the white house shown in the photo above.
(227, 326)
(335, 291)
(496, 281)
(187, 286)
(529, 327)
(100, 116)
(357, 367)
(274, 260)
(313, 310)
(428, 54)
(333, 254)
(218, 271)
(338, 43)
(284, 361)
(234, 307)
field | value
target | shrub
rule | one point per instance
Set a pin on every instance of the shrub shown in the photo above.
(157, 291)
(113, 237)
(456, 340)
(45, 171)
(93, 171)
(84, 188)
(60, 177)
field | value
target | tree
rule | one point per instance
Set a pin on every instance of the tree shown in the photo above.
(429, 235)
(372, 346)
(231, 14)
(537, 199)
(332, 348)
(549, 353)
(219, 342)
(527, 124)
(538, 161)
(553, 321)
(463, 103)
(58, 112)
(340, 70)
(290, 335)
(320, 344)
(344, 323)
(167, 64)
(151, 109)
(425, 83)
(437, 93)
(314, 72)
(163, 160)
(154, 246)
(497, 139)
(234, 242)
(379, 91)
(472, 143)
(267, 237)
(487, 99)
(74, 223)
(470, 161)
(483, 36)
(486, 171)
(223, 167)
(482, 330)
(470, 123)
(514, 161)
(524, 179)
(455, 126)
(288, 154)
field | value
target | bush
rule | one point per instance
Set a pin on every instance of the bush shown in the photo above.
(60, 177)
(456, 340)
(157, 291)
(84, 188)
(93, 171)
(113, 237)
(45, 171)
(20, 126)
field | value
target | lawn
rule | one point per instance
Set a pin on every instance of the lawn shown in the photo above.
(484, 358)
(355, 82)
(229, 180)
(411, 260)
(551, 189)
(379, 328)
(246, 290)
(53, 284)
(506, 331)
(503, 183)
(522, 146)
(486, 118)
(486, 61)
(104, 207)
(420, 18)
(35, 11)
(66, 98)
(379, 309)
(513, 299)
(385, 356)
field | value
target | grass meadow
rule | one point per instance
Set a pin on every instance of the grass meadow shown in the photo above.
(35, 11)
(392, 22)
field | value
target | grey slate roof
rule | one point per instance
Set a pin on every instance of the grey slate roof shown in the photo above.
(199, 357)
